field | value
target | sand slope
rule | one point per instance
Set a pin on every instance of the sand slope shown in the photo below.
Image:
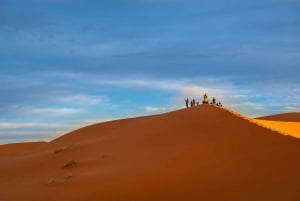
(285, 127)
(10, 150)
(287, 123)
(202, 153)
(290, 117)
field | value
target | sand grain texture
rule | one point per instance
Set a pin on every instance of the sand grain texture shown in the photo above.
(201, 153)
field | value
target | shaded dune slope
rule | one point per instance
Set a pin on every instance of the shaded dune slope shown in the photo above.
(291, 117)
(201, 153)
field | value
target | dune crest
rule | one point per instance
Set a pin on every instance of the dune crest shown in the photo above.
(201, 153)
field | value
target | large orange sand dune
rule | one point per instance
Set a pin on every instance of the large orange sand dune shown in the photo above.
(203, 153)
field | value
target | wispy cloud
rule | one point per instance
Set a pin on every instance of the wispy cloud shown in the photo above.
(94, 121)
(81, 99)
(55, 111)
(32, 131)
(190, 85)
(52, 111)
(260, 98)
(26, 125)
(155, 109)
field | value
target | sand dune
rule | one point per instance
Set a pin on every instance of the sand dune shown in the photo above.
(19, 148)
(287, 123)
(284, 127)
(290, 117)
(202, 153)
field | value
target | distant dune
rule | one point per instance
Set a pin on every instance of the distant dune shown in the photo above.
(202, 153)
(19, 148)
(291, 117)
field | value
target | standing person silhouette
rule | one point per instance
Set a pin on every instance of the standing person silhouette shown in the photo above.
(187, 102)
(205, 99)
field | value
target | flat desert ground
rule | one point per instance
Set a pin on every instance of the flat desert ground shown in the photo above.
(202, 153)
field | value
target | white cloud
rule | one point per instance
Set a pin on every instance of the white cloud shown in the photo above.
(155, 109)
(29, 125)
(266, 98)
(142, 83)
(94, 121)
(292, 108)
(248, 104)
(31, 110)
(186, 87)
(53, 111)
(81, 99)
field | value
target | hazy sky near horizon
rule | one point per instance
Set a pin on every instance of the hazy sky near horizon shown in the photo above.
(68, 63)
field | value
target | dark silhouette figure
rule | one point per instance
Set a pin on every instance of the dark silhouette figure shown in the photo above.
(187, 102)
(194, 102)
(214, 101)
(205, 100)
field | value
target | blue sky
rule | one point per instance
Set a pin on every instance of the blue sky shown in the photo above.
(66, 64)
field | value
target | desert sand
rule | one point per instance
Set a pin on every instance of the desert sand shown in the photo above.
(289, 117)
(201, 153)
(284, 127)
(287, 123)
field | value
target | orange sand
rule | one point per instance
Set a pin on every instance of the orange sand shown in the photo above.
(287, 128)
(19, 148)
(202, 153)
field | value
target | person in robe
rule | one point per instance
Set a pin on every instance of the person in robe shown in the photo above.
(205, 99)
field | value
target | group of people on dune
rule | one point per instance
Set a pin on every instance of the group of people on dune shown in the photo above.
(205, 100)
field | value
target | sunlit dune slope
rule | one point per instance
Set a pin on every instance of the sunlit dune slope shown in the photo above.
(287, 123)
(202, 153)
(284, 127)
